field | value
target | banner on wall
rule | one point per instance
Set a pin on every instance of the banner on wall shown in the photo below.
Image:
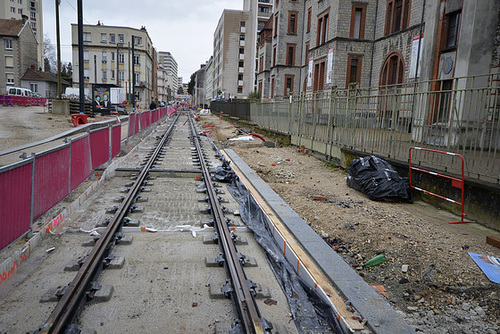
(417, 39)
(329, 67)
(310, 73)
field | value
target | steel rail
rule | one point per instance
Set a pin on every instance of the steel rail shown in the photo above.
(243, 298)
(72, 299)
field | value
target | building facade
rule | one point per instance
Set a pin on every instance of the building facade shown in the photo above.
(108, 59)
(167, 61)
(161, 76)
(32, 10)
(18, 52)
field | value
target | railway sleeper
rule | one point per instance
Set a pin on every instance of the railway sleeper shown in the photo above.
(215, 239)
(114, 263)
(224, 290)
(248, 262)
(96, 292)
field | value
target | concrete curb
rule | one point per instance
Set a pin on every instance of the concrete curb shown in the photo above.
(380, 316)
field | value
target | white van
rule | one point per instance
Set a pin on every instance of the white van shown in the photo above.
(18, 91)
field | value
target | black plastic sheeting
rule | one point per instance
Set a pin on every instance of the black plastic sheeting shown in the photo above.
(310, 313)
(376, 178)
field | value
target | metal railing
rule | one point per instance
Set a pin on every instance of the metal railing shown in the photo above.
(460, 115)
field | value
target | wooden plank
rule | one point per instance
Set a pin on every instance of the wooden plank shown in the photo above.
(351, 320)
(494, 241)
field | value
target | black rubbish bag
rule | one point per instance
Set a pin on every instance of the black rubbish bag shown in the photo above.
(376, 178)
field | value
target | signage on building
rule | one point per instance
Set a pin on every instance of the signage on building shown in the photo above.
(310, 72)
(417, 40)
(329, 67)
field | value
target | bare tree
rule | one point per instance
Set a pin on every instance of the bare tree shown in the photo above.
(49, 55)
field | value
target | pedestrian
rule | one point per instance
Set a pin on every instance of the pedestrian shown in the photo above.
(152, 106)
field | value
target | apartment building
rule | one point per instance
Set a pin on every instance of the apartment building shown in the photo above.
(32, 10)
(108, 59)
(167, 61)
(161, 79)
(18, 52)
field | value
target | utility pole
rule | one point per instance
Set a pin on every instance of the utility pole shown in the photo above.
(129, 91)
(58, 35)
(133, 74)
(80, 56)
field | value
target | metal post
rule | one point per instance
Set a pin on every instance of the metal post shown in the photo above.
(128, 84)
(80, 57)
(117, 66)
(58, 35)
(69, 168)
(133, 74)
(110, 136)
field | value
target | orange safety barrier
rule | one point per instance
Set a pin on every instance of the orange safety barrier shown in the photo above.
(455, 182)
(79, 119)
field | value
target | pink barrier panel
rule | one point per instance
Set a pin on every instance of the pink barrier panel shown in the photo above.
(51, 180)
(137, 122)
(156, 116)
(116, 134)
(22, 100)
(144, 118)
(131, 125)
(80, 161)
(99, 147)
(15, 203)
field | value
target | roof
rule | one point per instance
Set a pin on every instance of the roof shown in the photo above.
(11, 27)
(34, 75)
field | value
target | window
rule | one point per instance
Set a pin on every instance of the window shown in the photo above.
(272, 87)
(392, 70)
(32, 5)
(33, 25)
(322, 28)
(12, 9)
(397, 15)
(309, 13)
(288, 85)
(20, 2)
(104, 57)
(85, 56)
(136, 76)
(34, 87)
(261, 63)
(87, 37)
(306, 60)
(121, 58)
(121, 75)
(104, 75)
(292, 23)
(8, 44)
(112, 56)
(453, 29)
(121, 39)
(358, 18)
(10, 78)
(138, 40)
(112, 38)
(20, 11)
(319, 76)
(242, 37)
(9, 61)
(290, 54)
(263, 9)
(33, 15)
(275, 27)
(353, 70)
(240, 90)
(104, 38)
(137, 60)
(112, 74)
(240, 64)
(274, 56)
(242, 51)
(240, 76)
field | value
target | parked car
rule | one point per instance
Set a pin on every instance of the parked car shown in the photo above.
(18, 91)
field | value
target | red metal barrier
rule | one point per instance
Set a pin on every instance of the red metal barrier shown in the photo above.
(137, 123)
(80, 161)
(51, 180)
(116, 136)
(99, 147)
(455, 182)
(15, 203)
(131, 125)
(10, 100)
(155, 115)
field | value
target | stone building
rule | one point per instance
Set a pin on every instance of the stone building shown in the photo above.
(18, 52)
(108, 59)
(30, 10)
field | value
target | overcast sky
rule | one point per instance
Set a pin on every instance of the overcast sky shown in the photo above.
(183, 27)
